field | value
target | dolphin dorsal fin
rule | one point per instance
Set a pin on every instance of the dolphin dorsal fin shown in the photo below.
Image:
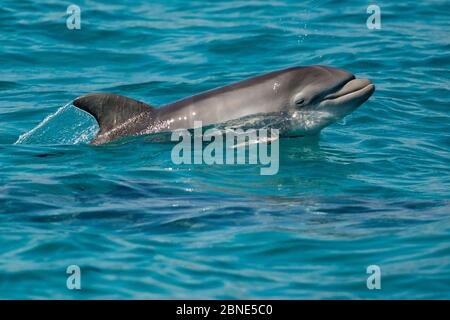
(112, 110)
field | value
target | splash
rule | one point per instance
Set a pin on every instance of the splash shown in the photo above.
(68, 125)
(290, 123)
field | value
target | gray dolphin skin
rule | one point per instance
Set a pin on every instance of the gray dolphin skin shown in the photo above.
(297, 101)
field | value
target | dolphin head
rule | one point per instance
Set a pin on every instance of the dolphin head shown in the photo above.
(322, 95)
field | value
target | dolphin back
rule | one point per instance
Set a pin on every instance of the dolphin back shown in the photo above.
(116, 115)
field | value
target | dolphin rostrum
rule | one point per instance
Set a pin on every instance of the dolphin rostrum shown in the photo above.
(298, 101)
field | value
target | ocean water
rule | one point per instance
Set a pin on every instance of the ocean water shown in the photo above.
(373, 189)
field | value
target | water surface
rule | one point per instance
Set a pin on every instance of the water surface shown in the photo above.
(371, 190)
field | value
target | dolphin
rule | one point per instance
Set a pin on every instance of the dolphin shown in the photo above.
(298, 101)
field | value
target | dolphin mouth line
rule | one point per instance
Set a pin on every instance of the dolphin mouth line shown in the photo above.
(353, 88)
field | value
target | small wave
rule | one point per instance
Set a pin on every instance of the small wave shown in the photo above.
(7, 85)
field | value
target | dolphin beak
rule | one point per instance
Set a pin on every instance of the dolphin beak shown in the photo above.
(353, 89)
(350, 96)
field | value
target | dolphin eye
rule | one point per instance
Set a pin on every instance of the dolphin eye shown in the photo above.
(300, 102)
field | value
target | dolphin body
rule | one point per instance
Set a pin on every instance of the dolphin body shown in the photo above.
(297, 101)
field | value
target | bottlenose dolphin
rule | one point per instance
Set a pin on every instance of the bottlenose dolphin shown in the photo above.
(298, 101)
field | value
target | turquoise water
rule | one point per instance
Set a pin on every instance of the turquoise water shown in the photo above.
(373, 189)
